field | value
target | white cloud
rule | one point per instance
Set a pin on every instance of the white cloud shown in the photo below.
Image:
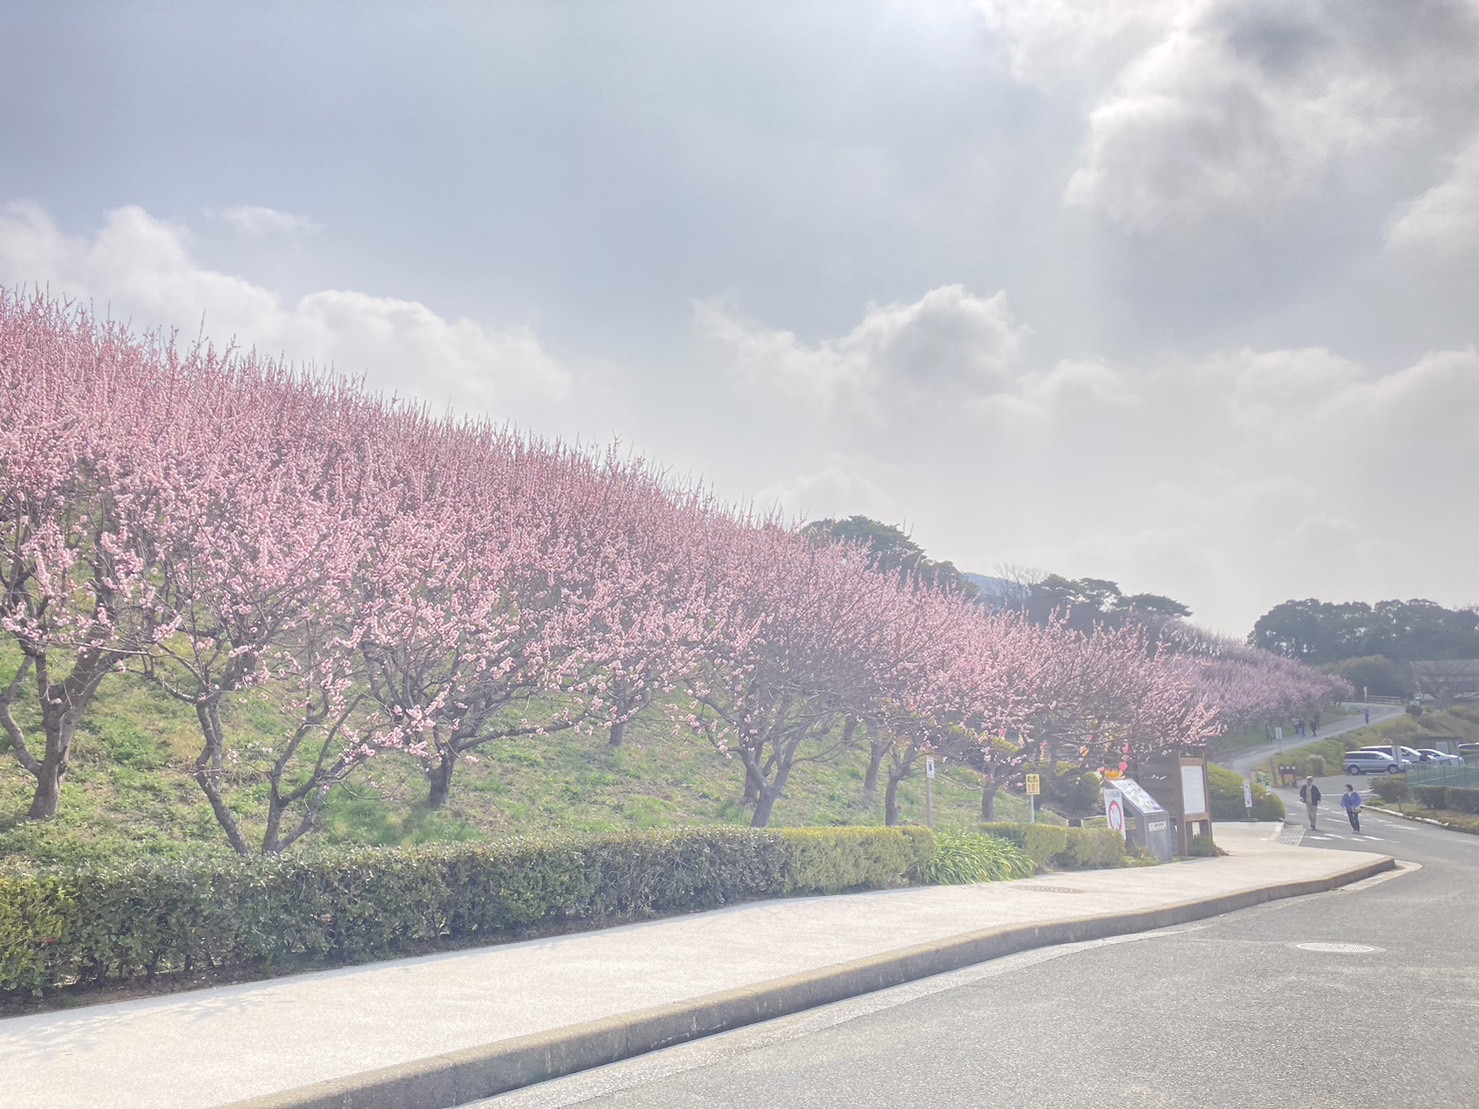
(254, 220)
(139, 268)
(1232, 480)
(1445, 219)
(948, 348)
(1200, 110)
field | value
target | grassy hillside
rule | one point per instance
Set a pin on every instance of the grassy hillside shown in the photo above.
(130, 788)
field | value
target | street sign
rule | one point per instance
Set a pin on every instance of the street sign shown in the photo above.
(929, 767)
(1034, 785)
(1114, 811)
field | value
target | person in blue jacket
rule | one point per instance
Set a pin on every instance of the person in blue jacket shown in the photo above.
(1309, 793)
(1350, 801)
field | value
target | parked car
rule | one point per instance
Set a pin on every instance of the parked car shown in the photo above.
(1407, 753)
(1442, 758)
(1373, 762)
(1468, 750)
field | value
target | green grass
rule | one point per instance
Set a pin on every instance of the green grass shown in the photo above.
(130, 790)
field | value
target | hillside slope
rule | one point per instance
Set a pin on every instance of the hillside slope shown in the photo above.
(130, 788)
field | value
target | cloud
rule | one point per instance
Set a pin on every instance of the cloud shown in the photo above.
(1445, 219)
(947, 348)
(1231, 479)
(254, 220)
(138, 267)
(1202, 110)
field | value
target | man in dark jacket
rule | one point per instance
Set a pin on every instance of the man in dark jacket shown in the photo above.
(1309, 793)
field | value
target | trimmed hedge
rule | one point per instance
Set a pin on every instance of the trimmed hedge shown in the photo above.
(1041, 842)
(1434, 797)
(1050, 846)
(242, 918)
(1226, 788)
(1462, 799)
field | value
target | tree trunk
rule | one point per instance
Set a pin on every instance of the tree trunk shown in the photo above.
(767, 796)
(763, 806)
(208, 772)
(62, 705)
(439, 779)
(618, 732)
(876, 750)
(891, 802)
(988, 800)
(48, 784)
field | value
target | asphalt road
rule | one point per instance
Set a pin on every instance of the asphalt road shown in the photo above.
(1227, 1012)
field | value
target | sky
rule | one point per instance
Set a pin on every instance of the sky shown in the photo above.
(1179, 293)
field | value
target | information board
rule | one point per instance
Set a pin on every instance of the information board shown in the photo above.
(1193, 791)
(1137, 798)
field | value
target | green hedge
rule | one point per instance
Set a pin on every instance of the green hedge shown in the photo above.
(1390, 787)
(1226, 787)
(1053, 847)
(1462, 799)
(249, 917)
(1042, 842)
(1434, 797)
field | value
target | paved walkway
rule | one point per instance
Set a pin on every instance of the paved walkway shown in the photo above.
(1248, 758)
(213, 1047)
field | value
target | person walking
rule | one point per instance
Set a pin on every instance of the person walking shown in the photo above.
(1315, 725)
(1309, 793)
(1350, 801)
(1368, 716)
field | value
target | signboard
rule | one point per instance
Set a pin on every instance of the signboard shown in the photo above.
(929, 767)
(1193, 791)
(1114, 811)
(1136, 797)
(1034, 785)
(1247, 794)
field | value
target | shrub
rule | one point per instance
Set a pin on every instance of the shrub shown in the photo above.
(1091, 847)
(247, 917)
(1226, 788)
(962, 857)
(831, 860)
(1317, 765)
(1461, 799)
(1041, 842)
(1201, 847)
(1049, 846)
(1434, 797)
(1390, 787)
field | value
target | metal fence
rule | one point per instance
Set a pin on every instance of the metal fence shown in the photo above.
(1440, 775)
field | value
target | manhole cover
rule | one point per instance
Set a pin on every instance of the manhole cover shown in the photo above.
(1339, 948)
(1047, 889)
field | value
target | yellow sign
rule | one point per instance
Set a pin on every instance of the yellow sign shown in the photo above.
(1033, 784)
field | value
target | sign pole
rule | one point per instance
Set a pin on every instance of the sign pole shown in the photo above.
(929, 792)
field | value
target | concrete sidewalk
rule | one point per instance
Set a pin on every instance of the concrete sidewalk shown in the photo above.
(446, 1029)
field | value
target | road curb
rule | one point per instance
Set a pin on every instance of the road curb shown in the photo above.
(455, 1078)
